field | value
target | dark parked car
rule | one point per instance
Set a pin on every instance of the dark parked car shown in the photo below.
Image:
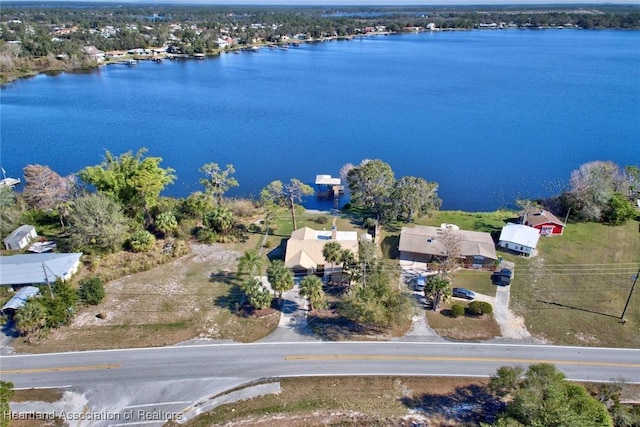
(420, 284)
(463, 293)
(502, 277)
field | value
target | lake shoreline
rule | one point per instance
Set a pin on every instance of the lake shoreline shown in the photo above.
(255, 48)
(456, 116)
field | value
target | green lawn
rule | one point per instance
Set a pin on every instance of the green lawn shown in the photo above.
(478, 281)
(575, 290)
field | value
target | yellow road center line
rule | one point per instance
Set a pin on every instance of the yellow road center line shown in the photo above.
(59, 369)
(459, 359)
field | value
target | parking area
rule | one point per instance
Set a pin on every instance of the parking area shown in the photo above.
(414, 274)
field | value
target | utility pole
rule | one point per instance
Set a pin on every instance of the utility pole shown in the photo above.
(635, 280)
(46, 278)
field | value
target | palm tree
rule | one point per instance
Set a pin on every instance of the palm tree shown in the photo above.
(437, 288)
(220, 219)
(30, 317)
(332, 252)
(311, 288)
(250, 263)
(348, 260)
(258, 297)
(280, 277)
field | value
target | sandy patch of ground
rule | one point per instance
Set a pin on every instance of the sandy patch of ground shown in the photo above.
(162, 294)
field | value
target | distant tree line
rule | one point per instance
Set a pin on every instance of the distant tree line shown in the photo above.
(36, 38)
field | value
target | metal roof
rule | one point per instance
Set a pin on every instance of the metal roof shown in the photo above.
(27, 269)
(519, 234)
(327, 180)
(19, 233)
(20, 298)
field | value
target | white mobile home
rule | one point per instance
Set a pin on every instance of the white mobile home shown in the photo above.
(20, 238)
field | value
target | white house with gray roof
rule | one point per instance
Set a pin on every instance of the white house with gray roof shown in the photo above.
(20, 238)
(519, 238)
(37, 269)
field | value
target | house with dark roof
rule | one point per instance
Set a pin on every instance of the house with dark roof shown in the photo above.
(425, 244)
(544, 221)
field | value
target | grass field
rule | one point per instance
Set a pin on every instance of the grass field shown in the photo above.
(369, 401)
(192, 297)
(364, 401)
(575, 290)
(464, 328)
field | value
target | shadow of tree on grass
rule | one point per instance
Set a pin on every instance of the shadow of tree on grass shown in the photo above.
(232, 300)
(467, 405)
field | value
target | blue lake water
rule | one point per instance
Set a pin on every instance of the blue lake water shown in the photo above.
(489, 115)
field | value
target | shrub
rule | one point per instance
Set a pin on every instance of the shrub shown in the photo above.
(486, 307)
(478, 308)
(322, 220)
(241, 207)
(91, 291)
(6, 394)
(141, 241)
(166, 223)
(457, 310)
(220, 219)
(179, 249)
(204, 235)
(369, 223)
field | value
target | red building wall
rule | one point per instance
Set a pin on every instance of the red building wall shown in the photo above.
(557, 229)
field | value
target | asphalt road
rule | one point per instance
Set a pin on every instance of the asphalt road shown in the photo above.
(172, 380)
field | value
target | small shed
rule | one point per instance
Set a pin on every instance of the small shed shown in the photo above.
(20, 238)
(547, 223)
(19, 299)
(519, 238)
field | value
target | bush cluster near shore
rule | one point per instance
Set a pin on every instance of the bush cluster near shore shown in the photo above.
(125, 214)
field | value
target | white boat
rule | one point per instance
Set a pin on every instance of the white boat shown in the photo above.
(8, 182)
(42, 247)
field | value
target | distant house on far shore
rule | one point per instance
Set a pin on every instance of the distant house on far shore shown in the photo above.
(544, 221)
